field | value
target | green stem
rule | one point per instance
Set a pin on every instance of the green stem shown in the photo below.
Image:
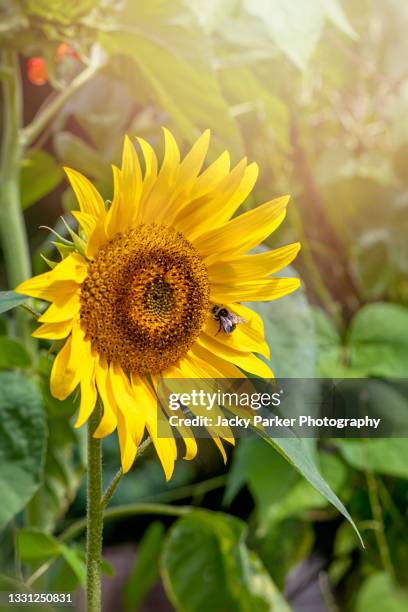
(118, 512)
(32, 131)
(376, 510)
(12, 227)
(111, 488)
(94, 518)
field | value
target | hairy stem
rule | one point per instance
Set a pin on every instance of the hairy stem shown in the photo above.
(94, 518)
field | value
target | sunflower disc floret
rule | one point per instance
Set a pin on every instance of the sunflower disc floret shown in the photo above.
(145, 299)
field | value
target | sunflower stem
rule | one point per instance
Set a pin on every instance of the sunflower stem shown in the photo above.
(94, 518)
(112, 486)
(32, 131)
(12, 227)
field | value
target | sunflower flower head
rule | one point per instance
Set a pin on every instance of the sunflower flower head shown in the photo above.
(134, 296)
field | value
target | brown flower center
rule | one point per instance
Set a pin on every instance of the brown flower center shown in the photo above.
(145, 299)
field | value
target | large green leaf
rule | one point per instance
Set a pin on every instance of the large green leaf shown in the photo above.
(22, 443)
(146, 568)
(40, 174)
(10, 299)
(172, 55)
(76, 153)
(13, 354)
(65, 457)
(385, 456)
(35, 545)
(296, 27)
(297, 452)
(253, 462)
(207, 566)
(379, 593)
(378, 340)
(59, 10)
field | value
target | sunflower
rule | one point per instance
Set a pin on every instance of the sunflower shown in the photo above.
(132, 297)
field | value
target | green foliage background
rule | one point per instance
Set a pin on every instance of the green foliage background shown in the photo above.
(316, 91)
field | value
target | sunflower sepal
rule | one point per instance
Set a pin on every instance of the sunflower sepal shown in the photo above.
(50, 264)
(78, 242)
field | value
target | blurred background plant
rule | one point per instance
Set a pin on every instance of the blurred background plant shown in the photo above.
(317, 93)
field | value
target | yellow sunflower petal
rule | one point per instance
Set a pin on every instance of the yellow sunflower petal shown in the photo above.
(89, 393)
(62, 310)
(158, 197)
(128, 448)
(185, 431)
(221, 448)
(125, 207)
(165, 445)
(125, 401)
(63, 280)
(245, 231)
(246, 361)
(150, 173)
(54, 331)
(256, 291)
(191, 366)
(252, 317)
(222, 207)
(193, 161)
(250, 267)
(89, 199)
(66, 369)
(209, 211)
(211, 177)
(244, 337)
(108, 422)
(185, 179)
(223, 368)
(93, 228)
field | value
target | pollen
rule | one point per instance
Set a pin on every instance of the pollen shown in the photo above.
(145, 299)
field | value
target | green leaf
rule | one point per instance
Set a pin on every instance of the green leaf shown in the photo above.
(334, 12)
(146, 568)
(10, 299)
(302, 496)
(23, 436)
(283, 545)
(385, 456)
(171, 53)
(65, 458)
(58, 10)
(253, 462)
(295, 27)
(13, 354)
(378, 340)
(40, 174)
(379, 593)
(75, 152)
(35, 545)
(76, 563)
(297, 452)
(207, 566)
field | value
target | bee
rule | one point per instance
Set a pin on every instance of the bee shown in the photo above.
(227, 319)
